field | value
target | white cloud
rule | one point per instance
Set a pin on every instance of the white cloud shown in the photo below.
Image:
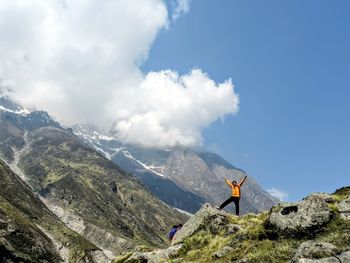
(79, 60)
(181, 7)
(281, 195)
(68, 57)
(172, 109)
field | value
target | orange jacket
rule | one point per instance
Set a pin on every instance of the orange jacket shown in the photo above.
(236, 190)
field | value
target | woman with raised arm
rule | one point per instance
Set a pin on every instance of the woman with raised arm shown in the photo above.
(235, 194)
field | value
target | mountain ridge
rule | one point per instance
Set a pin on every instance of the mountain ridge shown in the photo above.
(91, 196)
(180, 169)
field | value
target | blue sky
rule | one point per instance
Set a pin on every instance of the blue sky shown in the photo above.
(290, 64)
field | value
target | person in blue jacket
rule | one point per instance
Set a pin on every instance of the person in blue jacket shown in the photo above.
(173, 231)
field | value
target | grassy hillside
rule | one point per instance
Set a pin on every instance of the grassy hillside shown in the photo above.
(80, 180)
(23, 217)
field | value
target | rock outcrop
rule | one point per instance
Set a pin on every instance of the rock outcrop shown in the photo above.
(344, 209)
(222, 252)
(320, 252)
(208, 219)
(302, 217)
(315, 250)
(212, 235)
(156, 256)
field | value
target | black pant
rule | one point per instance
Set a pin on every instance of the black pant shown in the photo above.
(230, 200)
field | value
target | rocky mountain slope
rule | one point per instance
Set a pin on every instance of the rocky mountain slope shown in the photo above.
(111, 209)
(30, 232)
(182, 178)
(314, 230)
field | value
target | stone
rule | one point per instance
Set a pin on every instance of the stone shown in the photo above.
(300, 218)
(164, 254)
(344, 257)
(344, 209)
(137, 257)
(160, 255)
(222, 252)
(321, 196)
(315, 250)
(207, 218)
(322, 260)
(320, 252)
(232, 229)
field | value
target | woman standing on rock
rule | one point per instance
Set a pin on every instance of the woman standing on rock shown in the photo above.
(235, 194)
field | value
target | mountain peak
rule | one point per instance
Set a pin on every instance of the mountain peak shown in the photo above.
(8, 105)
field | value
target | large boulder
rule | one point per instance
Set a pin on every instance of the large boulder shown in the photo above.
(316, 250)
(319, 252)
(344, 257)
(300, 218)
(344, 208)
(208, 218)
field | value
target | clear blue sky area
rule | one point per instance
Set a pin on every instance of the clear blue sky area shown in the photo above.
(290, 64)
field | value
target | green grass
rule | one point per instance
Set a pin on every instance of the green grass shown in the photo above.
(337, 232)
(26, 238)
(342, 193)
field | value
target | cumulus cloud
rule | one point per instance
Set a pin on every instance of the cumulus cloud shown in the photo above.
(181, 7)
(80, 60)
(281, 195)
(172, 109)
(68, 57)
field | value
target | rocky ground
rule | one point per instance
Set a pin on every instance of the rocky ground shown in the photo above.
(314, 230)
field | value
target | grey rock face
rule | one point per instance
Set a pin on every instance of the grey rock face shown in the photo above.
(156, 256)
(222, 252)
(321, 196)
(207, 218)
(344, 257)
(316, 250)
(137, 257)
(300, 218)
(319, 252)
(344, 209)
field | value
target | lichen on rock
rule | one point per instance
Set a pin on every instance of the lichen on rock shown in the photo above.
(344, 209)
(207, 218)
(300, 218)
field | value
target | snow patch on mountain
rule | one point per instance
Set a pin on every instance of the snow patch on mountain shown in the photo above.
(21, 111)
(99, 136)
(150, 168)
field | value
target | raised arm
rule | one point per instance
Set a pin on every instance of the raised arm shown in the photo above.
(243, 180)
(229, 183)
